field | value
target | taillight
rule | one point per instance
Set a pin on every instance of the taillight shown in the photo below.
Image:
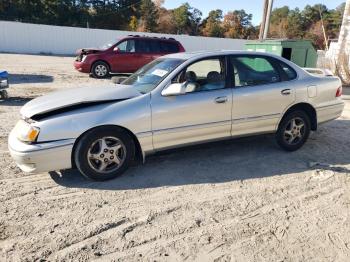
(339, 92)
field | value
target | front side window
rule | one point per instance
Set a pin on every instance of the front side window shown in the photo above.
(204, 75)
(253, 70)
(148, 77)
(127, 46)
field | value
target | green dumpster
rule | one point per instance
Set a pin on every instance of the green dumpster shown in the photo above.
(300, 52)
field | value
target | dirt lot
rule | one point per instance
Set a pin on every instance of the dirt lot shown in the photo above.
(242, 200)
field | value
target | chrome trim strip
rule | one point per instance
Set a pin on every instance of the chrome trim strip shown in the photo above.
(252, 118)
(144, 134)
(40, 149)
(338, 104)
(190, 127)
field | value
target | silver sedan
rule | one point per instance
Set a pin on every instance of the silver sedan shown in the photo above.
(176, 100)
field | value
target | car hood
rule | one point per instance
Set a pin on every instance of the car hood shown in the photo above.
(86, 51)
(70, 98)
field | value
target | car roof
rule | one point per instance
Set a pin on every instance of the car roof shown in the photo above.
(150, 38)
(199, 54)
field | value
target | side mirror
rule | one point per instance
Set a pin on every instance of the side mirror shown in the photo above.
(116, 49)
(174, 90)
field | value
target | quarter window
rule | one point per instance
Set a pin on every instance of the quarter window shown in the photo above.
(252, 71)
(169, 47)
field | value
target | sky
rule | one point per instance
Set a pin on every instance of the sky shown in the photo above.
(250, 6)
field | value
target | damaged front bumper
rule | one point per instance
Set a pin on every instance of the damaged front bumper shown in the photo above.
(41, 157)
(82, 67)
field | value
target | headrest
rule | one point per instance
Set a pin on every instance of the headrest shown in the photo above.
(214, 77)
(190, 76)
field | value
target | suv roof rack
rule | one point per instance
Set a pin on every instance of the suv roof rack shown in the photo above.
(154, 37)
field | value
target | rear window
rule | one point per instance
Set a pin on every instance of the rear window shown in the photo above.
(169, 47)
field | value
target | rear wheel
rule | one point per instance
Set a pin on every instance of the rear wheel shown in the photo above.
(104, 153)
(4, 94)
(293, 131)
(100, 69)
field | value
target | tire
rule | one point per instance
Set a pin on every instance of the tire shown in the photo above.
(293, 131)
(104, 153)
(100, 69)
(4, 94)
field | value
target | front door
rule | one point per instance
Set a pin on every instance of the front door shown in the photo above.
(202, 114)
(124, 58)
(262, 92)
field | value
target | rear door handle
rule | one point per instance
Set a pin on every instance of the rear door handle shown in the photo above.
(221, 99)
(286, 92)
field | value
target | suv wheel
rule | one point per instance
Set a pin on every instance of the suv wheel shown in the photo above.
(293, 131)
(104, 153)
(100, 69)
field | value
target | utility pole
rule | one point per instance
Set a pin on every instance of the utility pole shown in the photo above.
(263, 21)
(268, 17)
(324, 30)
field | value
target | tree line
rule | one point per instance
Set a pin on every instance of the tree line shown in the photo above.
(151, 16)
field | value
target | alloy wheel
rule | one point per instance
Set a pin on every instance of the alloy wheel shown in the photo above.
(106, 154)
(294, 131)
(101, 70)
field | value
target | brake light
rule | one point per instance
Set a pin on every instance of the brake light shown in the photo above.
(339, 92)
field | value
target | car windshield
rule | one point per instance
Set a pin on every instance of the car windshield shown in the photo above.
(149, 76)
(108, 44)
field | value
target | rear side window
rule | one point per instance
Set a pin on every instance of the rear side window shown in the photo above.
(143, 46)
(290, 72)
(253, 70)
(169, 47)
(154, 46)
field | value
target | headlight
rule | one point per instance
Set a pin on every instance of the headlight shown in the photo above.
(83, 58)
(3, 82)
(26, 132)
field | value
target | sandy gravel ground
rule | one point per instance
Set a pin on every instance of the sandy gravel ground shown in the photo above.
(242, 200)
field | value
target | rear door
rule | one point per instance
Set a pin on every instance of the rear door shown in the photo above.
(262, 92)
(143, 51)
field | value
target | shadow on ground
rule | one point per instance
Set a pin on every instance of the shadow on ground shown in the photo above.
(220, 162)
(29, 78)
(15, 101)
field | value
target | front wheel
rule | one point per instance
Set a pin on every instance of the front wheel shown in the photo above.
(104, 153)
(100, 69)
(293, 131)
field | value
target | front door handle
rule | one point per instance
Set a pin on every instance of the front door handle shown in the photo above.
(286, 92)
(221, 99)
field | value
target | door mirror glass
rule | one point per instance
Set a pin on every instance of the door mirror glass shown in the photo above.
(174, 90)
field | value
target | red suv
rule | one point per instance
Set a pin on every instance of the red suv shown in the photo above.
(124, 56)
